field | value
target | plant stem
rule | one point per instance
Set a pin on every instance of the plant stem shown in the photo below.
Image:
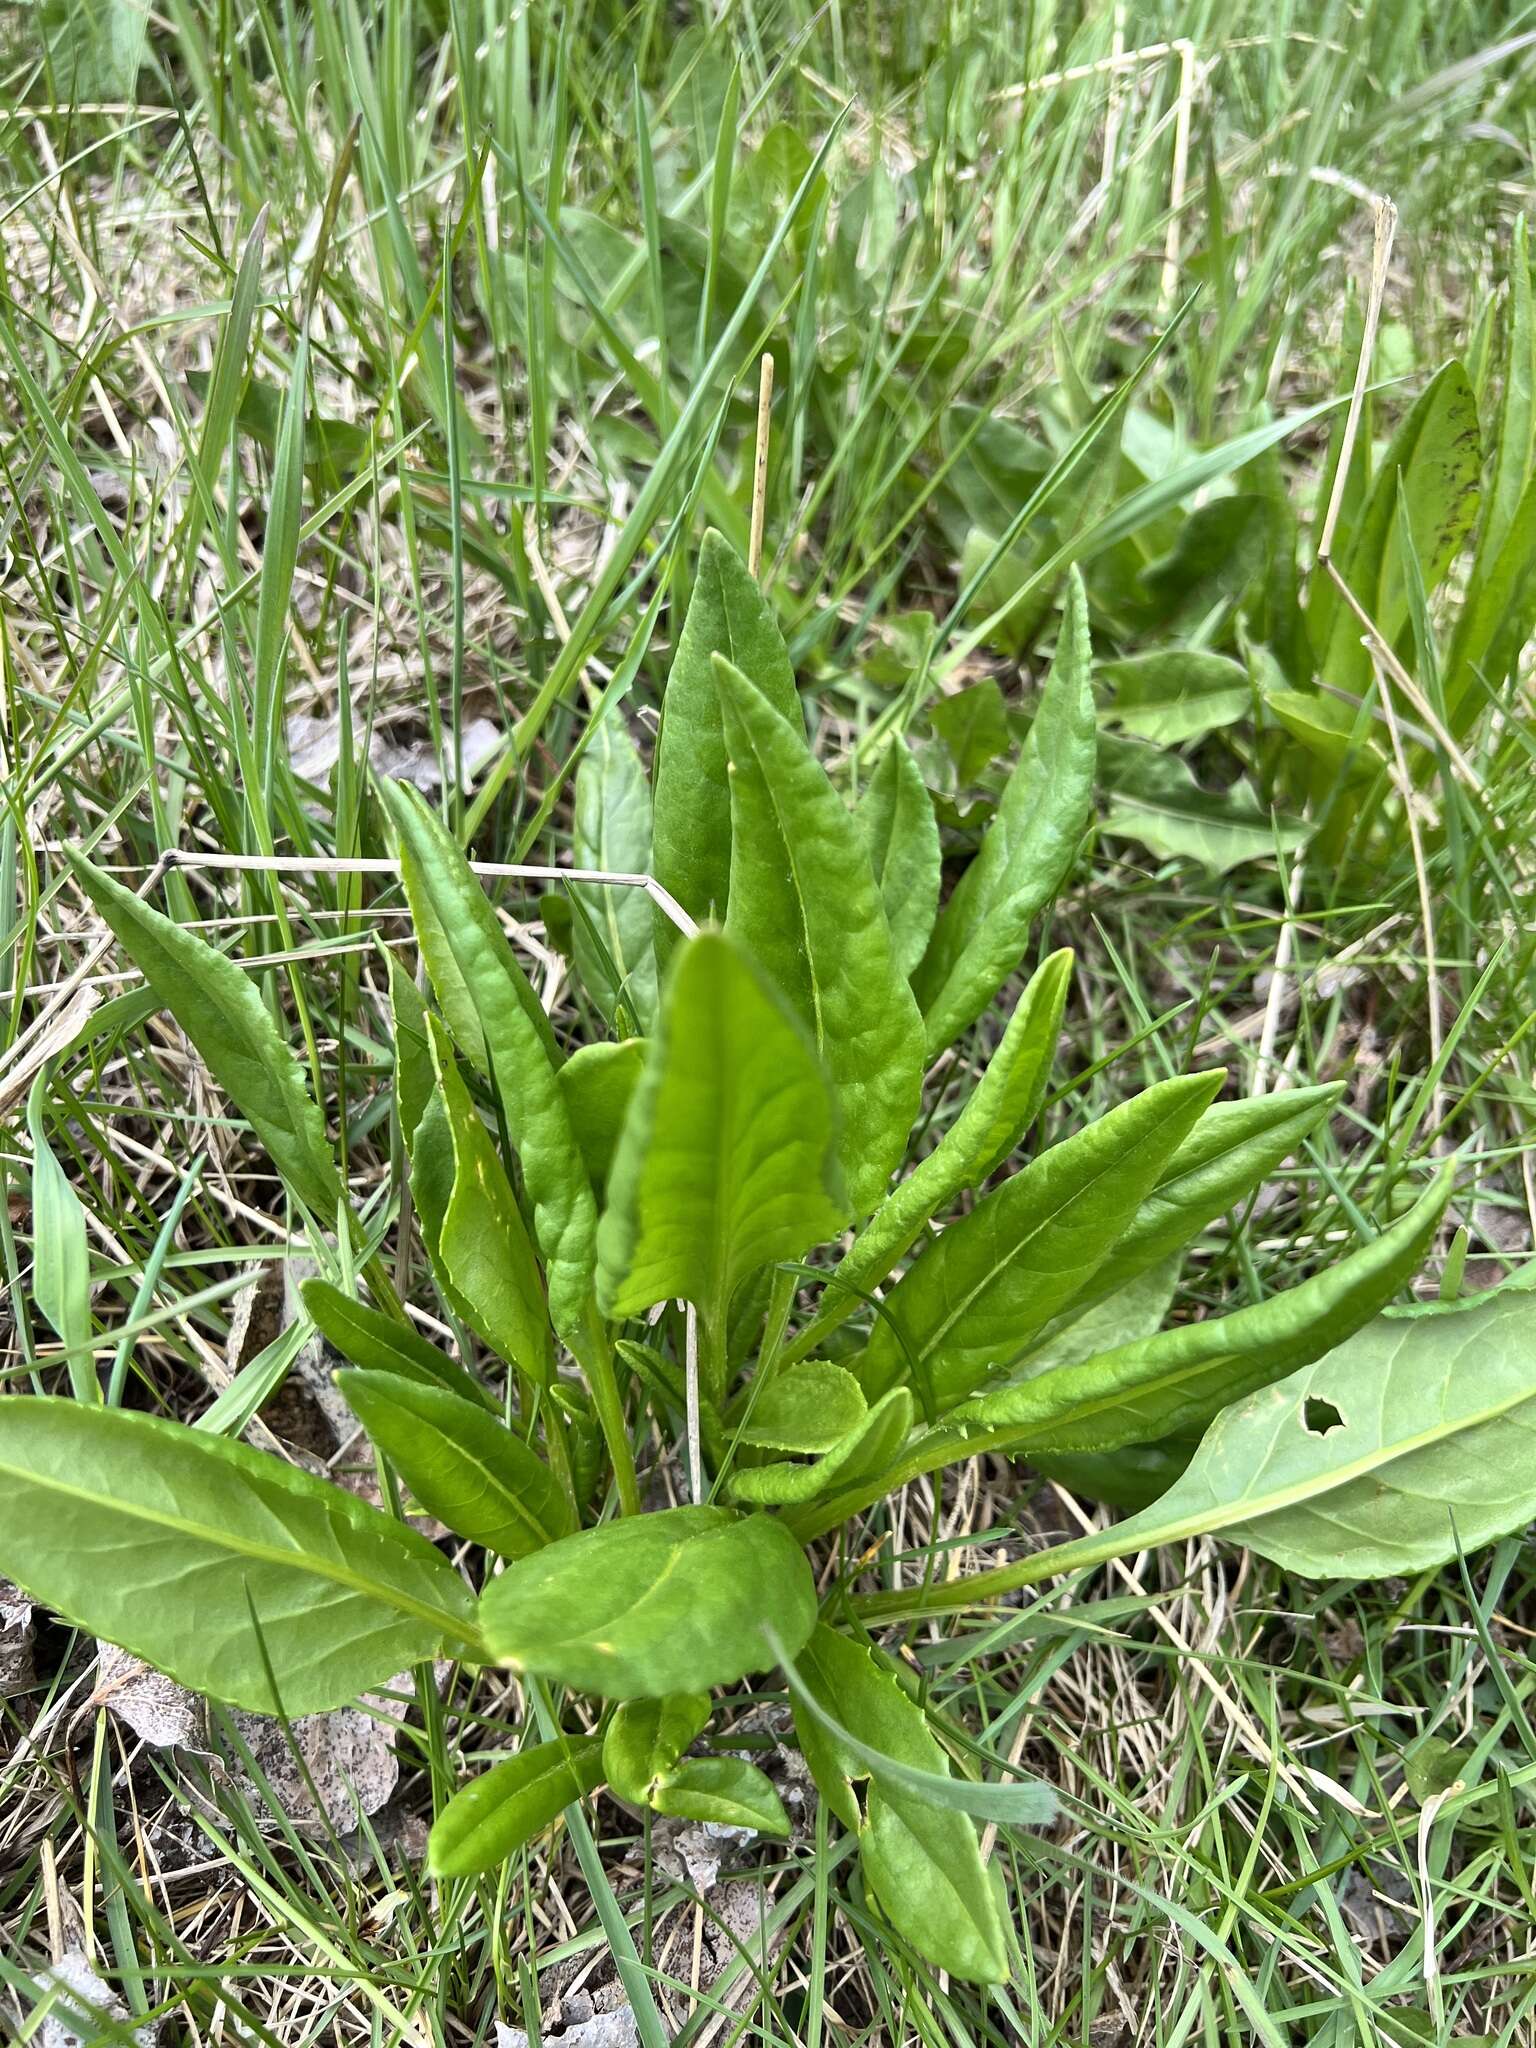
(982, 1587)
(598, 1367)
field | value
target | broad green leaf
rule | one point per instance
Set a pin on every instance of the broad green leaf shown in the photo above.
(1027, 849)
(1437, 453)
(464, 1466)
(805, 905)
(1000, 1109)
(482, 1242)
(168, 1542)
(494, 1816)
(895, 815)
(1146, 1389)
(375, 1342)
(499, 1025)
(921, 1860)
(725, 1790)
(1232, 1149)
(728, 615)
(806, 1408)
(61, 1259)
(971, 1302)
(597, 1082)
(869, 1446)
(611, 829)
(725, 1161)
(1401, 1447)
(223, 1014)
(675, 1601)
(1177, 694)
(645, 1739)
(1153, 797)
(973, 725)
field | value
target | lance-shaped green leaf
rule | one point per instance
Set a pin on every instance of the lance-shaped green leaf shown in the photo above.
(726, 1791)
(415, 1081)
(61, 1259)
(463, 1465)
(676, 1601)
(726, 1158)
(920, 1858)
(1230, 1151)
(482, 1245)
(598, 1082)
(999, 1110)
(495, 1815)
(611, 830)
(223, 1014)
(181, 1546)
(867, 1446)
(1027, 849)
(805, 905)
(1405, 1445)
(727, 614)
(895, 814)
(1146, 1389)
(1437, 453)
(375, 1342)
(646, 1738)
(971, 1302)
(499, 1025)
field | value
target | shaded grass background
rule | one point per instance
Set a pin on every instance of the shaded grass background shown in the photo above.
(500, 279)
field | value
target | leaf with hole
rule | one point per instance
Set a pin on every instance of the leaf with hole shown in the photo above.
(1407, 1443)
(1146, 1389)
